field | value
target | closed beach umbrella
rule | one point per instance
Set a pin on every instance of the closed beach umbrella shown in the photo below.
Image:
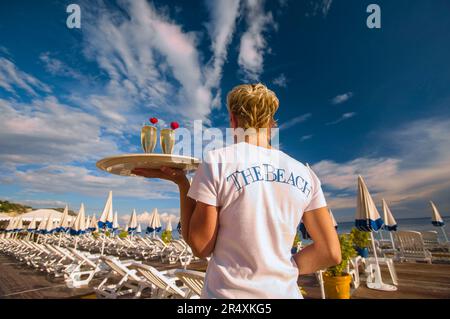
(106, 218)
(32, 226)
(115, 224)
(389, 221)
(155, 223)
(49, 228)
(10, 226)
(64, 223)
(93, 226)
(87, 223)
(132, 224)
(437, 220)
(41, 227)
(79, 227)
(138, 229)
(368, 219)
(19, 225)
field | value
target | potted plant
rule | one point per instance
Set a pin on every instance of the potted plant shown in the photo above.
(123, 234)
(166, 236)
(361, 242)
(336, 280)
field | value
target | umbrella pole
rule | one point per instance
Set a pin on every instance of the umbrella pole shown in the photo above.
(103, 243)
(378, 281)
(60, 237)
(444, 233)
(392, 240)
(377, 266)
(76, 242)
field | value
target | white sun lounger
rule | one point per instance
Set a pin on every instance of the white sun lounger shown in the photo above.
(194, 280)
(163, 286)
(122, 280)
(411, 246)
(82, 270)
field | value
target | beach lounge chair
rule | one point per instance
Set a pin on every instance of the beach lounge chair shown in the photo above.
(411, 246)
(182, 253)
(383, 259)
(194, 280)
(82, 270)
(163, 283)
(353, 270)
(123, 280)
(370, 268)
(432, 243)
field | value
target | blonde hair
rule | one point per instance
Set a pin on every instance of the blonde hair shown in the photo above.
(254, 105)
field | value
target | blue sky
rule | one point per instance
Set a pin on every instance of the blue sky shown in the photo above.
(353, 100)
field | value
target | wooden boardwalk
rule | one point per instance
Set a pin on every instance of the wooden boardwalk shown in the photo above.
(416, 280)
(19, 281)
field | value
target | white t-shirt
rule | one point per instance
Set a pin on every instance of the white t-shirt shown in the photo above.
(261, 194)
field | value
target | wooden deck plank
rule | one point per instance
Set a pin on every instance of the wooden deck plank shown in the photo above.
(20, 281)
(416, 280)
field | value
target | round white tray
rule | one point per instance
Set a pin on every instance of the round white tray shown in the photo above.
(124, 164)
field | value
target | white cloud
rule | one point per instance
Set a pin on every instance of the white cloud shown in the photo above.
(11, 79)
(319, 6)
(342, 98)
(66, 179)
(4, 50)
(151, 57)
(294, 121)
(47, 131)
(417, 173)
(280, 80)
(343, 117)
(224, 14)
(253, 43)
(305, 138)
(57, 67)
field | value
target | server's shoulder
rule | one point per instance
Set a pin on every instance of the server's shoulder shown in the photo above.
(293, 162)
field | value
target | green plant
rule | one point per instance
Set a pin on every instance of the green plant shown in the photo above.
(347, 252)
(123, 234)
(166, 236)
(361, 239)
